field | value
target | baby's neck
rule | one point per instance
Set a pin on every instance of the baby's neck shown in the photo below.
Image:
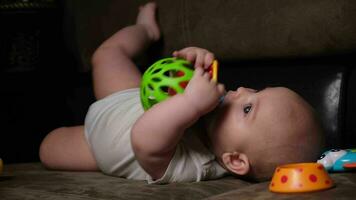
(208, 120)
(205, 123)
(204, 127)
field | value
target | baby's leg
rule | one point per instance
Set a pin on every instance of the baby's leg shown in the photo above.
(67, 149)
(113, 68)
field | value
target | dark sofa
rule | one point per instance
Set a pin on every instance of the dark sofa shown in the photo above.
(308, 46)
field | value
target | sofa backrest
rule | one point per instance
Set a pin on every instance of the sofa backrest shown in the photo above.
(233, 30)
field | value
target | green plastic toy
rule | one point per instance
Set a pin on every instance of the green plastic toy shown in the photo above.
(163, 79)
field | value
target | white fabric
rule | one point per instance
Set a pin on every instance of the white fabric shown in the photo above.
(108, 128)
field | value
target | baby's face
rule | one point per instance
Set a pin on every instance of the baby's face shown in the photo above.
(248, 117)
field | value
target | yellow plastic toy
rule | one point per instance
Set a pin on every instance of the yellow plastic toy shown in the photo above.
(214, 70)
(300, 177)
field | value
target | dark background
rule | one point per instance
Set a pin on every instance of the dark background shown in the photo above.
(39, 85)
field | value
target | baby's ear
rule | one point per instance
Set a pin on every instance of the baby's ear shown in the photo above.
(236, 162)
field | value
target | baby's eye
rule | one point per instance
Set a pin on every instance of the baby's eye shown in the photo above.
(247, 108)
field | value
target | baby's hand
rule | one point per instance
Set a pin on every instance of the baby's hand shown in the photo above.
(200, 57)
(203, 93)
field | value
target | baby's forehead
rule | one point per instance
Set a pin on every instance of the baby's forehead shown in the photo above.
(282, 97)
(281, 92)
(282, 105)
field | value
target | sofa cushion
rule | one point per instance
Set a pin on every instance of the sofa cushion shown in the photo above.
(32, 182)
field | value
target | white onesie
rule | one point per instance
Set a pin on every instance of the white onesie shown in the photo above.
(108, 128)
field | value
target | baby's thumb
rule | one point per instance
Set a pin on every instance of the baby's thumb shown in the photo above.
(198, 71)
(221, 89)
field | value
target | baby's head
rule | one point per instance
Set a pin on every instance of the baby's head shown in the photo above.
(252, 132)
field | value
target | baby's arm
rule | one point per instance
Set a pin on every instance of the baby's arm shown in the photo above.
(157, 132)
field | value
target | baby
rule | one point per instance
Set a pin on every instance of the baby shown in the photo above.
(188, 137)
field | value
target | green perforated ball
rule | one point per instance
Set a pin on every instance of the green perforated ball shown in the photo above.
(163, 79)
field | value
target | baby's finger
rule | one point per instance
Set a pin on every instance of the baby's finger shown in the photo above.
(180, 54)
(198, 71)
(190, 56)
(206, 75)
(183, 52)
(175, 53)
(208, 60)
(199, 61)
(221, 89)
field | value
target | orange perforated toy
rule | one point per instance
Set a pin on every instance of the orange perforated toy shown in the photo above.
(300, 177)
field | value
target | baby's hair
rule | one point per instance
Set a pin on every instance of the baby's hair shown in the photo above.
(306, 146)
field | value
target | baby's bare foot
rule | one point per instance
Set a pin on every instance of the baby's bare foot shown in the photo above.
(147, 18)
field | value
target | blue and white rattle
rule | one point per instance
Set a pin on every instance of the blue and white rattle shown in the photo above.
(338, 160)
